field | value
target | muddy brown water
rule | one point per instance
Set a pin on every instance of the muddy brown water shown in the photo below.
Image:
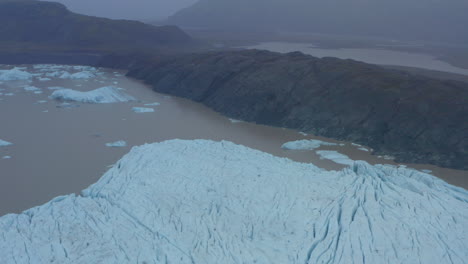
(57, 151)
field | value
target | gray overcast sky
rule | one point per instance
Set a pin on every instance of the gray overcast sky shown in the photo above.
(128, 9)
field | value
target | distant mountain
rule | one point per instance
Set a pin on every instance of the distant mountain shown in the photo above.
(52, 24)
(431, 20)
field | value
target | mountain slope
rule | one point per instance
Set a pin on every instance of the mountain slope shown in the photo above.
(414, 118)
(217, 202)
(51, 24)
(440, 21)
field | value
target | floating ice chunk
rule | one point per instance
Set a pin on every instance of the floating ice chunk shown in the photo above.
(303, 134)
(335, 156)
(31, 88)
(306, 144)
(82, 75)
(427, 171)
(152, 104)
(235, 121)
(102, 95)
(55, 88)
(14, 74)
(9, 94)
(364, 149)
(4, 143)
(6, 157)
(45, 111)
(38, 92)
(117, 144)
(84, 68)
(142, 110)
(67, 105)
(41, 102)
(43, 79)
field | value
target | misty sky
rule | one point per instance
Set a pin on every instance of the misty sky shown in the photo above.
(127, 9)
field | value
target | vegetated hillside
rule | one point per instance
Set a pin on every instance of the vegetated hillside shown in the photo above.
(414, 118)
(51, 24)
(440, 21)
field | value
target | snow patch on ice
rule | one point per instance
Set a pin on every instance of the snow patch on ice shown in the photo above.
(306, 144)
(117, 144)
(335, 156)
(102, 95)
(142, 110)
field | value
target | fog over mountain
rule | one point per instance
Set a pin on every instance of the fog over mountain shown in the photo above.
(433, 20)
(125, 9)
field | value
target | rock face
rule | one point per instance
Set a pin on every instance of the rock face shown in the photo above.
(49, 23)
(217, 202)
(413, 118)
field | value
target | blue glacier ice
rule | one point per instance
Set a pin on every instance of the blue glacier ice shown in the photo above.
(217, 202)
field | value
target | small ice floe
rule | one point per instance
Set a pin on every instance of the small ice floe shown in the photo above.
(55, 88)
(45, 111)
(142, 110)
(84, 68)
(427, 171)
(363, 149)
(386, 157)
(152, 104)
(77, 75)
(356, 145)
(31, 88)
(102, 95)
(43, 79)
(303, 134)
(117, 144)
(38, 92)
(335, 157)
(67, 105)
(6, 157)
(306, 144)
(116, 82)
(4, 143)
(234, 121)
(14, 74)
(41, 102)
(9, 94)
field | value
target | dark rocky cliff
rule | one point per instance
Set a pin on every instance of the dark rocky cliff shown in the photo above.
(414, 118)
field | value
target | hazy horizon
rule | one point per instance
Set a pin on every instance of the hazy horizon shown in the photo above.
(124, 9)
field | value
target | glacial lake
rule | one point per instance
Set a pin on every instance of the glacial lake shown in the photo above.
(60, 147)
(375, 56)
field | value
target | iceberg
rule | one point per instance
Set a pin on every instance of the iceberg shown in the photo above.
(306, 144)
(218, 202)
(4, 143)
(14, 74)
(335, 156)
(102, 95)
(117, 144)
(142, 110)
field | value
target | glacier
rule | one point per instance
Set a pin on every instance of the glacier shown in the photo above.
(217, 202)
(108, 94)
(306, 144)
